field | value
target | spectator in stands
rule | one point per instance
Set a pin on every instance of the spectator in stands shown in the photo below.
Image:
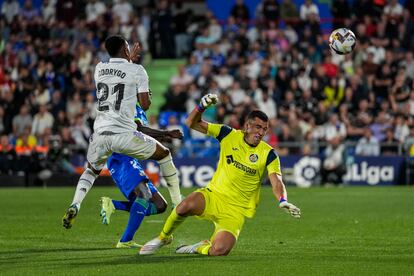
(401, 130)
(182, 38)
(48, 11)
(224, 79)
(334, 93)
(60, 121)
(22, 121)
(162, 31)
(240, 12)
(393, 13)
(334, 129)
(10, 9)
(267, 105)
(80, 132)
(333, 165)
(409, 143)
(7, 156)
(389, 146)
(340, 11)
(2, 128)
(93, 10)
(29, 12)
(175, 99)
(268, 11)
(368, 145)
(123, 10)
(408, 63)
(84, 58)
(66, 11)
(41, 95)
(182, 78)
(380, 125)
(307, 9)
(74, 105)
(289, 12)
(42, 120)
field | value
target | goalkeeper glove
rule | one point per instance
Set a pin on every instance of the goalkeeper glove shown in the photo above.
(289, 208)
(207, 101)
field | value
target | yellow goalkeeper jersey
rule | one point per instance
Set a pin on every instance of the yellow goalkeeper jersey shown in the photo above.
(240, 168)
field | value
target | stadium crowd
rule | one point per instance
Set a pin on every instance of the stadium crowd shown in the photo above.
(279, 62)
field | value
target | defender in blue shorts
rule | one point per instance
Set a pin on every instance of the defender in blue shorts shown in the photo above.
(128, 174)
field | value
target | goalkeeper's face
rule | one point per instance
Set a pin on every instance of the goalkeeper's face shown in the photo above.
(255, 130)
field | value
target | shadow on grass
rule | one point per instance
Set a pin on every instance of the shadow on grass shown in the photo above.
(135, 259)
(51, 250)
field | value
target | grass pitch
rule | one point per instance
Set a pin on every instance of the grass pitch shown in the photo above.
(343, 231)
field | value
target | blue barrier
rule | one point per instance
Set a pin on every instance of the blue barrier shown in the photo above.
(301, 170)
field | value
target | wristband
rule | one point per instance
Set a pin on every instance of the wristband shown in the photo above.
(200, 108)
(282, 199)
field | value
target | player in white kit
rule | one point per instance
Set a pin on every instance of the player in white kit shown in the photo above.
(119, 85)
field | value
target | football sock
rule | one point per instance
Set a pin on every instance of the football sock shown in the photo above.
(169, 172)
(85, 183)
(122, 205)
(126, 206)
(151, 210)
(136, 216)
(173, 221)
(204, 248)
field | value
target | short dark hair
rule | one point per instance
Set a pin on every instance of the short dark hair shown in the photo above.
(114, 44)
(257, 114)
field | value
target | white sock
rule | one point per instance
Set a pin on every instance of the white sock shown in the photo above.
(169, 172)
(85, 183)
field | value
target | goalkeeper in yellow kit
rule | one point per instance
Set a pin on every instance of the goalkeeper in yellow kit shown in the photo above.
(233, 192)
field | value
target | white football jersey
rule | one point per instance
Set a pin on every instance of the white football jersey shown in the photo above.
(117, 84)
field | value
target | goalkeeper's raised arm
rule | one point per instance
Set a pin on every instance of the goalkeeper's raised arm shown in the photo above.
(194, 119)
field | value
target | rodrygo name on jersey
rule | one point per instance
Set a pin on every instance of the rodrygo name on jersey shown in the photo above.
(117, 84)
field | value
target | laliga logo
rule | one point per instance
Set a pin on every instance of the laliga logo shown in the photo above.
(373, 175)
(306, 170)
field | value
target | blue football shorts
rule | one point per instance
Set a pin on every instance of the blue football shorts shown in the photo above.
(127, 173)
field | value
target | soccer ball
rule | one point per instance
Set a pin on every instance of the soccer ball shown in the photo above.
(342, 41)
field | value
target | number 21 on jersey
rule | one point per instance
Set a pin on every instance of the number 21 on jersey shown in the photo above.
(102, 94)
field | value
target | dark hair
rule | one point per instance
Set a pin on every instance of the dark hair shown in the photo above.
(114, 44)
(257, 114)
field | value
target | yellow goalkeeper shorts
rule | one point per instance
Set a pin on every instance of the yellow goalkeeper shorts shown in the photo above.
(225, 217)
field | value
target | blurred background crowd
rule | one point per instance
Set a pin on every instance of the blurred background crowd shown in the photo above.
(275, 58)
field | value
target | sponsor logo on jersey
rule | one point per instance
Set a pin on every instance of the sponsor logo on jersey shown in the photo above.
(253, 157)
(240, 166)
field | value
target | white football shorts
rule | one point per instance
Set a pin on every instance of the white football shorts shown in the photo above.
(134, 144)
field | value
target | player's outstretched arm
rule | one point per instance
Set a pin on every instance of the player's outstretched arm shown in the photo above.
(279, 190)
(159, 134)
(194, 119)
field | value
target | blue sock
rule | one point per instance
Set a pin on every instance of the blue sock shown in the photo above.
(136, 215)
(151, 210)
(122, 205)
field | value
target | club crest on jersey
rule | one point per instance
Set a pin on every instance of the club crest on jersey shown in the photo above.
(253, 157)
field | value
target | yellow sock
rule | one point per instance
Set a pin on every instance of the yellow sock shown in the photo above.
(204, 248)
(173, 221)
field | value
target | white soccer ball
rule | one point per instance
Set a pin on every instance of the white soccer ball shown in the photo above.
(342, 41)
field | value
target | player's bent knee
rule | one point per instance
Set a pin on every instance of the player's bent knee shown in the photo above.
(219, 250)
(161, 152)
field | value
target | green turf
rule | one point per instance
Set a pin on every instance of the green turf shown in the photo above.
(343, 231)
